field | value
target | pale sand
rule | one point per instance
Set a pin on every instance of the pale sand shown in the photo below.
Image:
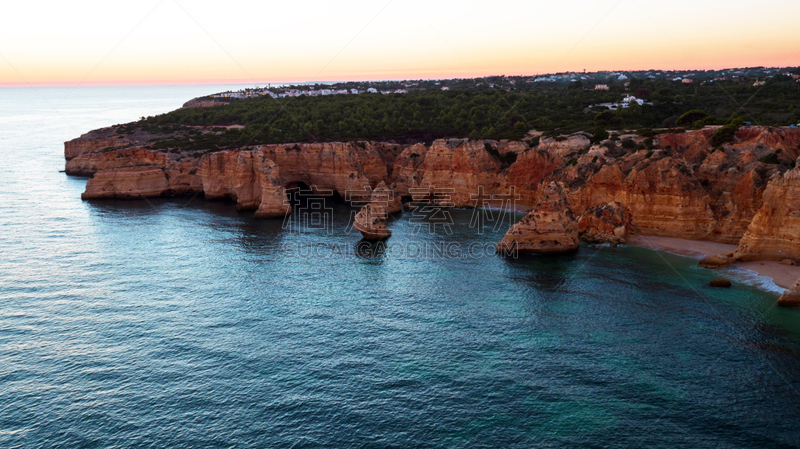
(783, 276)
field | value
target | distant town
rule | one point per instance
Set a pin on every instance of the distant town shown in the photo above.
(600, 81)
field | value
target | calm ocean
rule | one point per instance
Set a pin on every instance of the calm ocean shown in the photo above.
(178, 323)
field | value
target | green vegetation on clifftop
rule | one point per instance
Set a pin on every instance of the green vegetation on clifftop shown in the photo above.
(474, 113)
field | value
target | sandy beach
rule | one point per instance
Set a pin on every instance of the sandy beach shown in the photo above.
(783, 276)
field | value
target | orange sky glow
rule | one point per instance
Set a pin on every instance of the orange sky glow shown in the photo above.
(169, 41)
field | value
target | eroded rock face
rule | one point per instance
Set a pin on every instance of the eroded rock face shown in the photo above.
(371, 222)
(344, 168)
(663, 196)
(607, 223)
(87, 164)
(457, 168)
(232, 175)
(774, 232)
(549, 228)
(273, 203)
(93, 141)
(127, 182)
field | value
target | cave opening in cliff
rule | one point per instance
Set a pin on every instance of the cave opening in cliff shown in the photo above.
(301, 194)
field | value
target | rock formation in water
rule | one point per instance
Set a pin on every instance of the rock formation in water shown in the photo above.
(549, 228)
(720, 283)
(386, 198)
(371, 222)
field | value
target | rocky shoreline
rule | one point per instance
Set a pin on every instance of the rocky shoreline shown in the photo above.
(745, 192)
(782, 275)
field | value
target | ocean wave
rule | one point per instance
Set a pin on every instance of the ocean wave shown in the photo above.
(752, 278)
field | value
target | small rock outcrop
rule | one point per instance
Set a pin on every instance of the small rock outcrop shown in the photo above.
(549, 228)
(718, 261)
(607, 223)
(791, 297)
(371, 222)
(721, 282)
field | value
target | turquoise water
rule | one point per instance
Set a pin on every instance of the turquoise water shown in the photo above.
(184, 323)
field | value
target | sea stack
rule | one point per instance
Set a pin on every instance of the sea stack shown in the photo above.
(371, 222)
(384, 196)
(549, 228)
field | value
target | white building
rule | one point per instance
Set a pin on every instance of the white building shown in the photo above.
(631, 99)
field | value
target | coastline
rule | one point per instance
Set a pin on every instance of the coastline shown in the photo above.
(782, 276)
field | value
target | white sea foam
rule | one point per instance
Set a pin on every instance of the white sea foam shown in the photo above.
(752, 278)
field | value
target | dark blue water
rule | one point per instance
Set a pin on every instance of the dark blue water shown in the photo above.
(178, 323)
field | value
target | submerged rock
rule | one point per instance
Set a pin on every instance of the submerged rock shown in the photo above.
(721, 282)
(549, 228)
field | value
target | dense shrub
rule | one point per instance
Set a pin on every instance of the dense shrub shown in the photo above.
(724, 134)
(691, 118)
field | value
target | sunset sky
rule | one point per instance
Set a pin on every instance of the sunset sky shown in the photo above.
(187, 41)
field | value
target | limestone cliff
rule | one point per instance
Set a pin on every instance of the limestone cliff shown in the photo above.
(774, 232)
(127, 182)
(94, 141)
(273, 203)
(676, 185)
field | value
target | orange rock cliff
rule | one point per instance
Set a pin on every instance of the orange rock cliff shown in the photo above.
(677, 185)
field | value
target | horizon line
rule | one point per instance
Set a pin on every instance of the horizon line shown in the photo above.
(217, 81)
